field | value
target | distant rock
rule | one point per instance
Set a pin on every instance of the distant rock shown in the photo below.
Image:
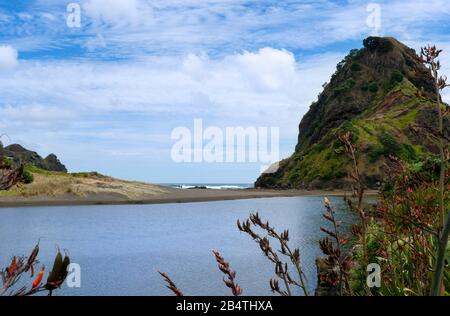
(54, 164)
(19, 154)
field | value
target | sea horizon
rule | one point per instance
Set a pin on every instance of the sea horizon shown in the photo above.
(209, 185)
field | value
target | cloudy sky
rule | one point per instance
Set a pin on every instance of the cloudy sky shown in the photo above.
(106, 95)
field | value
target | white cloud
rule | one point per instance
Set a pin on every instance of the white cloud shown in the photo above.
(8, 57)
(269, 69)
(120, 106)
(34, 115)
(266, 80)
(118, 12)
(135, 28)
(95, 43)
(176, 26)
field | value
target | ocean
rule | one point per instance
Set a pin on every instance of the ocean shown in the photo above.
(212, 186)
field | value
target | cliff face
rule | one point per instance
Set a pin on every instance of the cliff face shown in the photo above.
(377, 93)
(20, 154)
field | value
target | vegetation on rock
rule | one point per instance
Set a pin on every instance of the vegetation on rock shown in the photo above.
(379, 93)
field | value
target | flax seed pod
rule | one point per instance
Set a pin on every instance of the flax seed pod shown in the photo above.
(54, 276)
(32, 259)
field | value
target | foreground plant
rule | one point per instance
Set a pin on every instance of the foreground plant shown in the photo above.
(230, 282)
(170, 285)
(406, 230)
(429, 56)
(401, 233)
(21, 265)
(281, 267)
(224, 267)
(358, 190)
(338, 261)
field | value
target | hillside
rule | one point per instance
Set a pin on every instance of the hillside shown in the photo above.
(377, 93)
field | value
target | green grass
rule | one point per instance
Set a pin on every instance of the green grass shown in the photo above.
(38, 171)
(35, 170)
(320, 163)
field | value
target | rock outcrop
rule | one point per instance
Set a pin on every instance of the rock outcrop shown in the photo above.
(378, 93)
(19, 154)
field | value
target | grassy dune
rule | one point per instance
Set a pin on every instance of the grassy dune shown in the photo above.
(48, 183)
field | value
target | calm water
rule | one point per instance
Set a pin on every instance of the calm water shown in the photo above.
(121, 248)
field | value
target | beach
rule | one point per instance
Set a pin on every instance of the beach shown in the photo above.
(159, 194)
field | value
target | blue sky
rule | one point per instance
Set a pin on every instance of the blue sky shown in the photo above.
(106, 96)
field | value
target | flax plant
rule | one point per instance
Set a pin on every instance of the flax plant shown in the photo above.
(21, 265)
(281, 267)
(430, 57)
(336, 255)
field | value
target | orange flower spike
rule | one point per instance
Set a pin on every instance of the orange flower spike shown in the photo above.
(13, 265)
(38, 279)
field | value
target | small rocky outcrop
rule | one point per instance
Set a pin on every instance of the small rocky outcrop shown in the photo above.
(18, 154)
(53, 164)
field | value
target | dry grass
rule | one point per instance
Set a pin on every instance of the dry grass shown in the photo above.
(57, 184)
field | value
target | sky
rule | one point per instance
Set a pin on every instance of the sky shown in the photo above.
(107, 94)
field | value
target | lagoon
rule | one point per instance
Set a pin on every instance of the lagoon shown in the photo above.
(121, 248)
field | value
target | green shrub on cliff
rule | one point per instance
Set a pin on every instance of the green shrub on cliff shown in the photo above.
(346, 86)
(396, 77)
(378, 44)
(356, 67)
(391, 147)
(373, 87)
